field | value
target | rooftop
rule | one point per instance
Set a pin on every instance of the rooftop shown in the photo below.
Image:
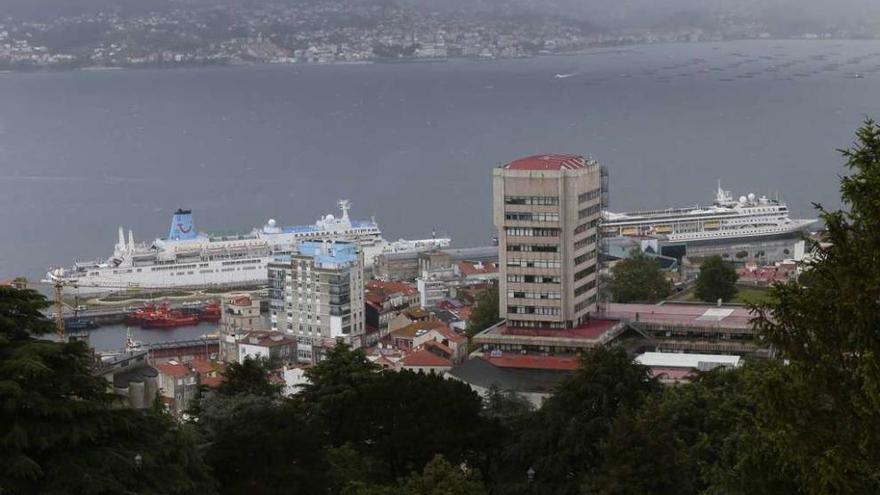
(680, 360)
(482, 373)
(593, 329)
(548, 162)
(174, 370)
(695, 315)
(534, 362)
(267, 339)
(425, 358)
(412, 329)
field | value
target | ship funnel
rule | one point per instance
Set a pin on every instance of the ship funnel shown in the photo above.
(182, 226)
(120, 244)
(130, 241)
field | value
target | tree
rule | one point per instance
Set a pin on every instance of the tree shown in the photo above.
(59, 429)
(824, 406)
(698, 438)
(439, 477)
(267, 448)
(717, 280)
(638, 279)
(561, 441)
(250, 377)
(442, 478)
(485, 311)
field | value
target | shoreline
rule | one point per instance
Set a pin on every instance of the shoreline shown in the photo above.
(594, 50)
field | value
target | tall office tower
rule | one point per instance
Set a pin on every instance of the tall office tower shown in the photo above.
(547, 210)
(317, 295)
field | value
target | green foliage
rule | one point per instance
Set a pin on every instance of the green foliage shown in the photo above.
(508, 407)
(439, 477)
(251, 377)
(485, 312)
(717, 280)
(823, 409)
(638, 279)
(561, 440)
(442, 478)
(59, 431)
(267, 448)
(700, 438)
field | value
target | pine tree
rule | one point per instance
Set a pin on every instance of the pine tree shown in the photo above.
(824, 407)
(59, 429)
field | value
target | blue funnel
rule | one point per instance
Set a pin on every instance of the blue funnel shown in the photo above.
(182, 226)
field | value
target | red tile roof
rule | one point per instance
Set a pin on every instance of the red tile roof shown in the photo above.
(548, 162)
(519, 361)
(425, 358)
(391, 287)
(591, 330)
(176, 370)
(467, 268)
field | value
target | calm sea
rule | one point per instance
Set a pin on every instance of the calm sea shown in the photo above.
(82, 153)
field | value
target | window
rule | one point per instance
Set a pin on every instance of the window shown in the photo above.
(532, 217)
(532, 295)
(533, 310)
(534, 248)
(589, 211)
(584, 226)
(533, 263)
(532, 200)
(595, 193)
(584, 257)
(533, 279)
(531, 232)
(584, 288)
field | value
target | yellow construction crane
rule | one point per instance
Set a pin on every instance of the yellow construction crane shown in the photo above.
(58, 282)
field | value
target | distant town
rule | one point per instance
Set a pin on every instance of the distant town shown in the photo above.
(338, 32)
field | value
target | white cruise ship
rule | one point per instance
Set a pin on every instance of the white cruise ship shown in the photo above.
(726, 219)
(190, 259)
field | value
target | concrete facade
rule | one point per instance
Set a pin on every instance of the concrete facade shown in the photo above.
(547, 209)
(317, 296)
(240, 314)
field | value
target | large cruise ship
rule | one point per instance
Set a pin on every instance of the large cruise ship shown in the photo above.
(727, 219)
(188, 258)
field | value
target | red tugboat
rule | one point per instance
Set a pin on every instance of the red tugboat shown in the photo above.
(160, 316)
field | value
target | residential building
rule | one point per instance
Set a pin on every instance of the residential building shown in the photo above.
(240, 314)
(408, 266)
(382, 302)
(425, 361)
(317, 296)
(178, 385)
(276, 347)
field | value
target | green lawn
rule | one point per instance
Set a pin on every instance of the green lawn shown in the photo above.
(751, 295)
(744, 295)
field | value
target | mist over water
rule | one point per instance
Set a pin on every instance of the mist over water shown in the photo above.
(413, 144)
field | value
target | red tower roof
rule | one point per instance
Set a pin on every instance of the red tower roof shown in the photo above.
(548, 162)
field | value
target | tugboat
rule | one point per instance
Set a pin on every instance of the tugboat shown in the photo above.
(160, 316)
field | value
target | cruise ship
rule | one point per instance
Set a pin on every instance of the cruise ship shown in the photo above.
(191, 259)
(727, 219)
